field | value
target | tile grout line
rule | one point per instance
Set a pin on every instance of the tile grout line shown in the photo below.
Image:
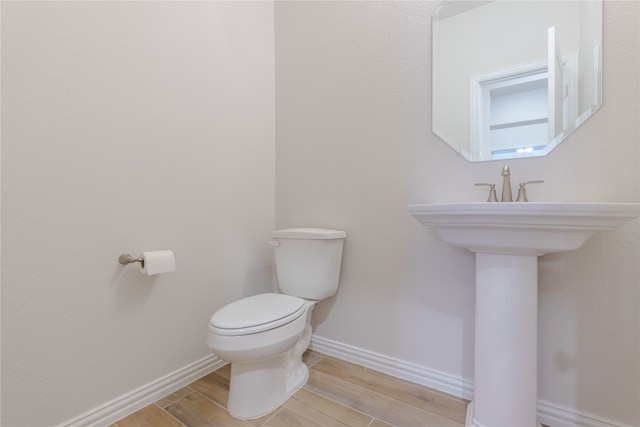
(169, 413)
(373, 418)
(384, 396)
(214, 402)
(247, 422)
(328, 415)
(449, 397)
(273, 414)
(440, 393)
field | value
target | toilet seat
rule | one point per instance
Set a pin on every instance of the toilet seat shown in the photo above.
(257, 313)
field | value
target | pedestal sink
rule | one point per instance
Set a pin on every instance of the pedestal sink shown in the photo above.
(507, 239)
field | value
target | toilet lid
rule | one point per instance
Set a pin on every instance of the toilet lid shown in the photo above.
(257, 313)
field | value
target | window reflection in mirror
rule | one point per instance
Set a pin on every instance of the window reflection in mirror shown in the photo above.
(514, 78)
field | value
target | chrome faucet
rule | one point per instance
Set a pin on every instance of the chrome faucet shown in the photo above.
(506, 185)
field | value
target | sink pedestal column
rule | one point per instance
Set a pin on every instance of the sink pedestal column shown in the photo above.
(505, 391)
(507, 239)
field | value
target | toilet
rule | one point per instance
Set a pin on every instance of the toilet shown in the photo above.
(264, 336)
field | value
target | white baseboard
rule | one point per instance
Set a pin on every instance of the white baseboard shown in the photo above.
(560, 416)
(548, 413)
(137, 399)
(118, 408)
(395, 367)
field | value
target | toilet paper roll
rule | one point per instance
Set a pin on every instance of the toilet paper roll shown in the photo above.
(156, 262)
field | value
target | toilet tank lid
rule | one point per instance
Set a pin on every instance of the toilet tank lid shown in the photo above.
(309, 233)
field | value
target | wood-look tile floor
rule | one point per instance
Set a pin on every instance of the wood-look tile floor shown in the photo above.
(338, 393)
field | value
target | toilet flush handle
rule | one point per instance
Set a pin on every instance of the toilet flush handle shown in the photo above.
(274, 243)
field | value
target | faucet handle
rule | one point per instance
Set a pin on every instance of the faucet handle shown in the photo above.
(492, 191)
(522, 192)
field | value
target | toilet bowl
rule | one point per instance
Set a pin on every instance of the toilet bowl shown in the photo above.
(264, 336)
(266, 369)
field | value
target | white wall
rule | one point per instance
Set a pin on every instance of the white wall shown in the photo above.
(127, 126)
(354, 148)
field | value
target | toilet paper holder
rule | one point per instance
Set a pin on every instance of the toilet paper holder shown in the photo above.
(125, 259)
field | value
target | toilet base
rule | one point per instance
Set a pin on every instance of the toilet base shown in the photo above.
(256, 389)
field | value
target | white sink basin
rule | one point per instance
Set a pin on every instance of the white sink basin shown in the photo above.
(522, 228)
(507, 239)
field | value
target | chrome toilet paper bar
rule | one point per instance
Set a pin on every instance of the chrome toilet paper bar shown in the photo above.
(125, 259)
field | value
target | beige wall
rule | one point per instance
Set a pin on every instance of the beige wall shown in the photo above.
(354, 148)
(134, 126)
(127, 126)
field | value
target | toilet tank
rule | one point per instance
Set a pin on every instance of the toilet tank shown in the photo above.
(308, 261)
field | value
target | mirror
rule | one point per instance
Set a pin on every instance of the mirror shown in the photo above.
(514, 78)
